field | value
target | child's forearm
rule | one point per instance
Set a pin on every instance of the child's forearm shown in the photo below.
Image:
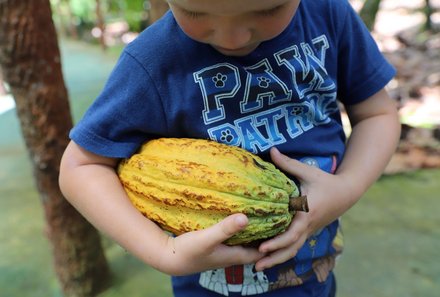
(94, 189)
(90, 184)
(373, 140)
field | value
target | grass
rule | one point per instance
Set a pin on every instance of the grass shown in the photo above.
(392, 236)
(393, 239)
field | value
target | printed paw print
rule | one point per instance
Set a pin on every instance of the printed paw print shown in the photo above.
(226, 136)
(263, 82)
(297, 110)
(219, 80)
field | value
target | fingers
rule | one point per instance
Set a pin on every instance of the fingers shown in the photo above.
(288, 238)
(280, 256)
(283, 161)
(230, 226)
(286, 245)
(223, 230)
(203, 250)
(292, 166)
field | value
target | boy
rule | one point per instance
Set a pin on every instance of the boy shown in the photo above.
(256, 74)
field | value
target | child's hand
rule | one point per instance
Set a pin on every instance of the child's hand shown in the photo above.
(203, 250)
(323, 192)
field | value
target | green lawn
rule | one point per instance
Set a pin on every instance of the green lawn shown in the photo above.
(392, 236)
(393, 239)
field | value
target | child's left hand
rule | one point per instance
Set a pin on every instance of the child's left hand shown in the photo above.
(372, 142)
(325, 193)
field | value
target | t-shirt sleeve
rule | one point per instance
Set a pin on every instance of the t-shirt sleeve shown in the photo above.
(126, 113)
(362, 68)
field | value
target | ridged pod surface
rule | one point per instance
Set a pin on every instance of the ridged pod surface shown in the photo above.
(188, 184)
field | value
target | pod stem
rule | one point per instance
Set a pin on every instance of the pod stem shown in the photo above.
(299, 203)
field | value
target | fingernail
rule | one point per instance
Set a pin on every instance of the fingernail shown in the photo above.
(275, 149)
(241, 220)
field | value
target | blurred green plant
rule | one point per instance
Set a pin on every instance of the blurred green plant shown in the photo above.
(136, 14)
(76, 17)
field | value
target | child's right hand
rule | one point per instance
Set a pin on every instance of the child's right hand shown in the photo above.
(203, 250)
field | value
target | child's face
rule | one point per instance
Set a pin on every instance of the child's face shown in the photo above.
(233, 27)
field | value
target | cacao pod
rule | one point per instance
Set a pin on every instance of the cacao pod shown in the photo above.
(186, 184)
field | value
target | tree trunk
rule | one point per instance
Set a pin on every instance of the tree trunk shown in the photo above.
(157, 9)
(31, 64)
(100, 24)
(369, 11)
(428, 10)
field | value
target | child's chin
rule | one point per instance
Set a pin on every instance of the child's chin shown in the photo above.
(236, 52)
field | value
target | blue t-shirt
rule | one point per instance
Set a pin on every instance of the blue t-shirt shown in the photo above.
(286, 94)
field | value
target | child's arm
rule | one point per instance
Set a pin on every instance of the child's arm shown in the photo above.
(91, 185)
(374, 137)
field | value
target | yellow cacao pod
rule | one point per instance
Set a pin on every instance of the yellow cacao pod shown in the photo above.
(186, 184)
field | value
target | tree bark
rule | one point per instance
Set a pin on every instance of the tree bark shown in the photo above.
(428, 11)
(368, 13)
(100, 23)
(31, 64)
